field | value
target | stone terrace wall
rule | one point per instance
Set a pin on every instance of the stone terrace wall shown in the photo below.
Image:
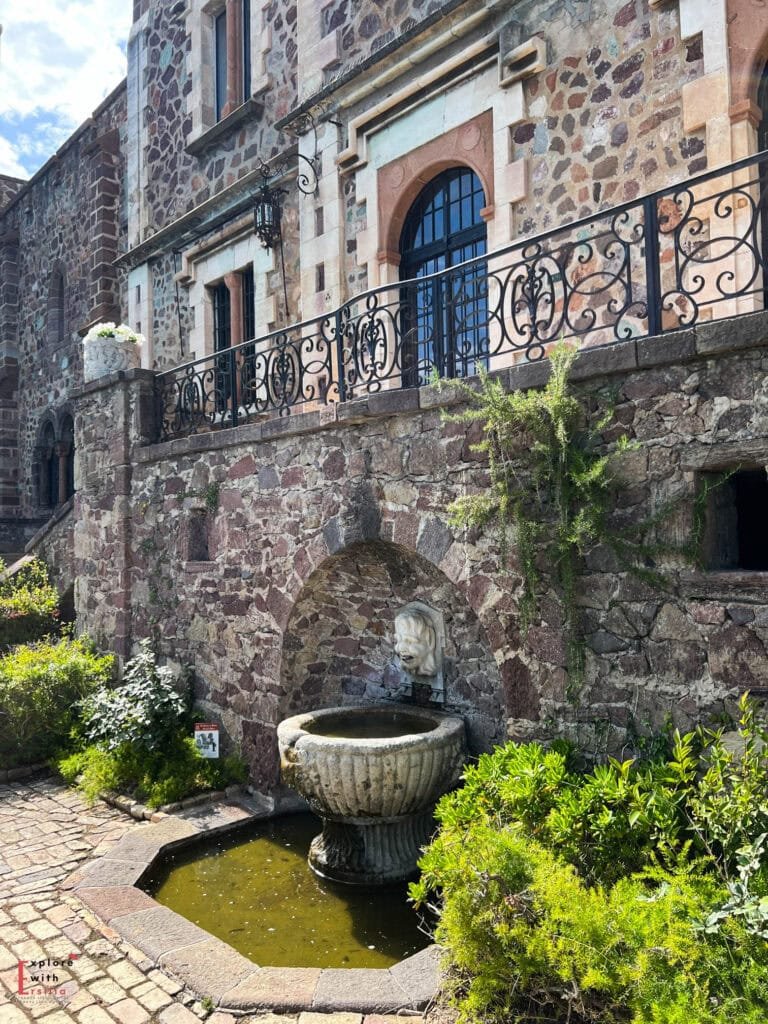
(243, 552)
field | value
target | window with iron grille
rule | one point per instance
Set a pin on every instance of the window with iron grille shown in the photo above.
(444, 319)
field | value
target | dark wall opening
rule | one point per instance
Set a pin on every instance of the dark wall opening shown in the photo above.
(736, 535)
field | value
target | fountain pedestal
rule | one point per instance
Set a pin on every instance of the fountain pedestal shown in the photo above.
(373, 775)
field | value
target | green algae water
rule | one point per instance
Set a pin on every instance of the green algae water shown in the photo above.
(376, 727)
(255, 890)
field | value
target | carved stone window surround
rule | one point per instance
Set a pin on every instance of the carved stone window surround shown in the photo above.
(202, 68)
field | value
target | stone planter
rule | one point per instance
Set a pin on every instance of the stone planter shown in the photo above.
(102, 356)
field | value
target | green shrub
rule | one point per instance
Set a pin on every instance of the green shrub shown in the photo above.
(144, 712)
(637, 891)
(138, 741)
(529, 940)
(39, 687)
(162, 777)
(28, 605)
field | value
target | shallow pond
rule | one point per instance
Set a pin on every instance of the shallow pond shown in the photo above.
(255, 890)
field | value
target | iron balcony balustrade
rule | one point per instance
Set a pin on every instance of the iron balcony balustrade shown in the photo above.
(692, 252)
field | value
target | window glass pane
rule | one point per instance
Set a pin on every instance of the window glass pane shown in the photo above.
(445, 320)
(249, 313)
(220, 28)
(221, 318)
(246, 49)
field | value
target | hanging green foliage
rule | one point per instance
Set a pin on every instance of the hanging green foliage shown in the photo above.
(550, 485)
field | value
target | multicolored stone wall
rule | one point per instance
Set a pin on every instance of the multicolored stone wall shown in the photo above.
(368, 27)
(605, 121)
(176, 180)
(272, 558)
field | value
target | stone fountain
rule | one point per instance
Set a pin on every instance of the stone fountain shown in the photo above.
(373, 773)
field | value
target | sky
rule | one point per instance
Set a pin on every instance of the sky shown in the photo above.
(58, 60)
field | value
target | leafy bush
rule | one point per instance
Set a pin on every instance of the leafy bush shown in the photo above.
(39, 687)
(143, 713)
(632, 892)
(528, 940)
(28, 605)
(138, 741)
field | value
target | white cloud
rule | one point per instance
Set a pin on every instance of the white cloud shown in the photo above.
(58, 61)
(9, 162)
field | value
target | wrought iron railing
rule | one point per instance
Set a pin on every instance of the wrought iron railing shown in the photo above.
(695, 251)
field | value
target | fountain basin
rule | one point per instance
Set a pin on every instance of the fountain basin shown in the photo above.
(373, 775)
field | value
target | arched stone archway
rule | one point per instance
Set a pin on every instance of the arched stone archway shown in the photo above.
(338, 643)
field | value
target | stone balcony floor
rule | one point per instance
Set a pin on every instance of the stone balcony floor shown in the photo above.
(48, 833)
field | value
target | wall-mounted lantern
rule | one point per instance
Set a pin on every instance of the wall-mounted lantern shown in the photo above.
(267, 212)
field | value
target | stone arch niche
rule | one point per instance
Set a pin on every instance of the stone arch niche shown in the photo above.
(338, 645)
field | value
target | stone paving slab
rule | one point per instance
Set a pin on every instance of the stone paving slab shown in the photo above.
(108, 902)
(111, 871)
(419, 975)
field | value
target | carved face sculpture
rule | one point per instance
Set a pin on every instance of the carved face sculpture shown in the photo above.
(416, 643)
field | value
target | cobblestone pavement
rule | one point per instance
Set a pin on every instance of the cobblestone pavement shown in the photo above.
(46, 831)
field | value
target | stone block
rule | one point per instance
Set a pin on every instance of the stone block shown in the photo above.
(359, 989)
(178, 1014)
(419, 976)
(512, 183)
(209, 968)
(526, 375)
(158, 931)
(604, 360)
(704, 97)
(665, 349)
(749, 331)
(217, 817)
(109, 871)
(278, 988)
(387, 403)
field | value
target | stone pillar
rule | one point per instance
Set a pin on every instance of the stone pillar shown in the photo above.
(61, 451)
(234, 283)
(104, 154)
(113, 417)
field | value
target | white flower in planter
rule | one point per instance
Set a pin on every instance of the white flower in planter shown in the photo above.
(109, 347)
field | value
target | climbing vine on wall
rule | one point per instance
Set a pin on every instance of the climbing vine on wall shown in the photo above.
(550, 485)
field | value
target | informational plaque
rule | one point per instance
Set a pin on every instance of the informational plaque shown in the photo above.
(207, 738)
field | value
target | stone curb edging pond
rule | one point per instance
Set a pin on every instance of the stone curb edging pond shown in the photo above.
(109, 886)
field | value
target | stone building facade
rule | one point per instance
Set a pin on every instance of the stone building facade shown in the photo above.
(272, 556)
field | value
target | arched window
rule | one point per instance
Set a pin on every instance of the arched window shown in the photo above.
(67, 455)
(57, 316)
(48, 468)
(445, 318)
